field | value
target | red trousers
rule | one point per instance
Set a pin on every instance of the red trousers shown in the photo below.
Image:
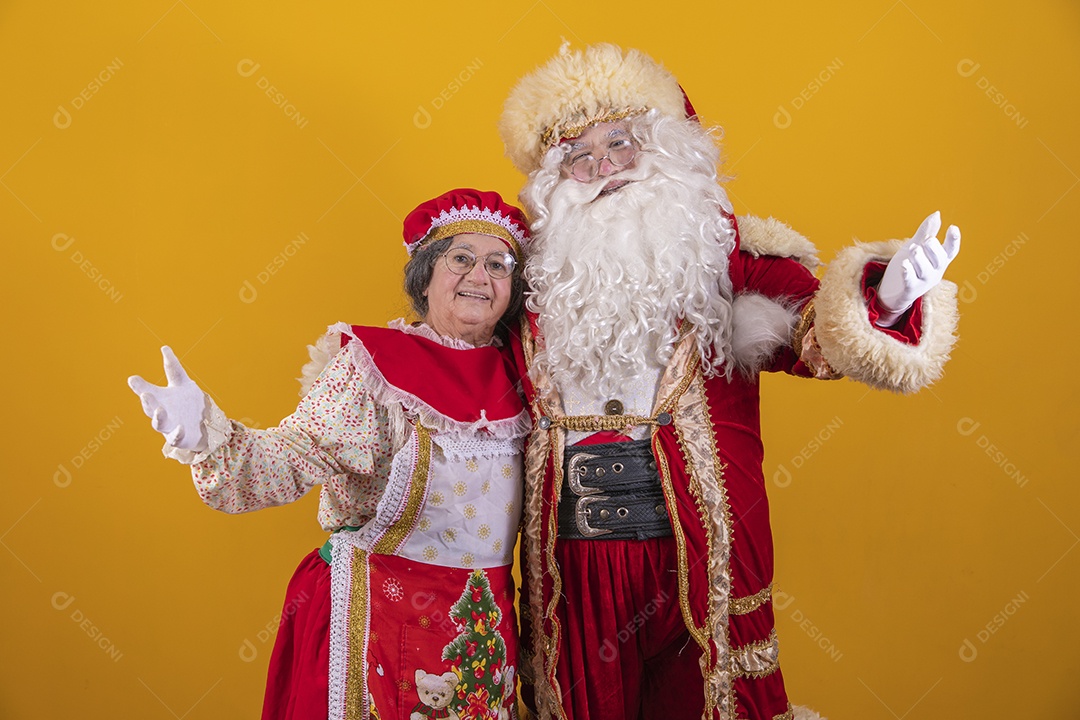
(626, 654)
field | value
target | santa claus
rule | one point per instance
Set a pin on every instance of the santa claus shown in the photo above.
(648, 551)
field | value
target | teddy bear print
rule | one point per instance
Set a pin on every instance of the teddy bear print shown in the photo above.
(436, 692)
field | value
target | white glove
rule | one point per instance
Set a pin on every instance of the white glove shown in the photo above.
(177, 410)
(917, 267)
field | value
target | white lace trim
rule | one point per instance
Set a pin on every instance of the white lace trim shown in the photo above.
(459, 449)
(218, 431)
(386, 394)
(474, 213)
(392, 503)
(426, 331)
(341, 574)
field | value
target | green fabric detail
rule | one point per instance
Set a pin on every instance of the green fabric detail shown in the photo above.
(326, 551)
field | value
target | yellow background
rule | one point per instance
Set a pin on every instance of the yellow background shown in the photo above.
(154, 193)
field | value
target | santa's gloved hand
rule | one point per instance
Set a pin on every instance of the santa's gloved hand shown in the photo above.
(177, 410)
(917, 267)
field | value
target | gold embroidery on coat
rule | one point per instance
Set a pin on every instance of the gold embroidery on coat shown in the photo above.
(750, 603)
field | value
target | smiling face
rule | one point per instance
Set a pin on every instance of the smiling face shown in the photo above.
(468, 307)
(609, 145)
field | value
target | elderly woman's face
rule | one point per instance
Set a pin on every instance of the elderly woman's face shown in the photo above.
(469, 306)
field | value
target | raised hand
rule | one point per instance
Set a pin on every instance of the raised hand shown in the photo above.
(176, 410)
(917, 267)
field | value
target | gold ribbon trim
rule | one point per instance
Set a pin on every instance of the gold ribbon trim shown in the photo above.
(750, 603)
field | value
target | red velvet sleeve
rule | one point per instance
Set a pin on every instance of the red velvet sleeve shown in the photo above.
(906, 328)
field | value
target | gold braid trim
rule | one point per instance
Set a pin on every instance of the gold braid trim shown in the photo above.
(750, 603)
(789, 715)
(804, 343)
(356, 680)
(480, 227)
(806, 321)
(757, 659)
(596, 423)
(543, 446)
(400, 530)
(554, 135)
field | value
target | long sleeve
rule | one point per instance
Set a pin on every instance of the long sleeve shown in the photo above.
(337, 437)
(786, 320)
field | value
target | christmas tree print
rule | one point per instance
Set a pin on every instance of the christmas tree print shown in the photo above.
(478, 654)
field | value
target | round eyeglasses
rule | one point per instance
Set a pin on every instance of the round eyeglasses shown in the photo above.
(498, 265)
(584, 166)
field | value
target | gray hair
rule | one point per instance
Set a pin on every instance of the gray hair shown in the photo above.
(421, 266)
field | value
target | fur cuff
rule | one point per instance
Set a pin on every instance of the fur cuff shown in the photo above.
(760, 327)
(852, 346)
(769, 236)
(800, 712)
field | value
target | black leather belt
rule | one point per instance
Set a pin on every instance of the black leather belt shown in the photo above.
(612, 492)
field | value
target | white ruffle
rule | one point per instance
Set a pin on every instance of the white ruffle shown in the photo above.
(218, 431)
(386, 394)
(426, 331)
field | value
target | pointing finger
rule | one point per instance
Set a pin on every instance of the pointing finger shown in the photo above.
(140, 386)
(929, 228)
(952, 242)
(174, 371)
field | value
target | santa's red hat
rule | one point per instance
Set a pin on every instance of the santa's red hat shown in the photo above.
(465, 210)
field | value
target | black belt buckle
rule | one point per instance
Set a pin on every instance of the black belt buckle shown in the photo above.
(615, 484)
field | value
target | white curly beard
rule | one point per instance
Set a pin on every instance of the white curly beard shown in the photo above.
(611, 276)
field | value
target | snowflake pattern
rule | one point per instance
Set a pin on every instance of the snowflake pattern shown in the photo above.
(460, 488)
(392, 590)
(450, 535)
(430, 553)
(507, 471)
(496, 547)
(483, 532)
(485, 488)
(437, 499)
(424, 524)
(469, 512)
(471, 465)
(467, 560)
